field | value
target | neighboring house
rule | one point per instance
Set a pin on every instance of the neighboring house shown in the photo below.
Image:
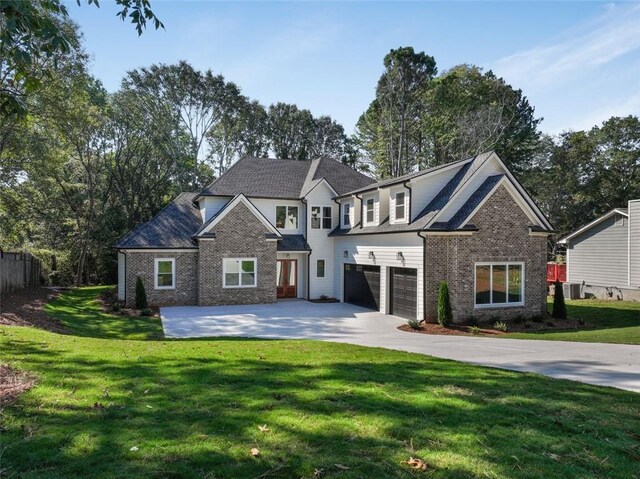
(269, 229)
(604, 256)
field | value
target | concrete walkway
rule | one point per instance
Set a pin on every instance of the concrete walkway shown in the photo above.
(594, 363)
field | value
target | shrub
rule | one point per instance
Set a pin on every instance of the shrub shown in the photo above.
(559, 308)
(146, 312)
(116, 307)
(445, 315)
(141, 295)
(414, 323)
(500, 326)
(475, 330)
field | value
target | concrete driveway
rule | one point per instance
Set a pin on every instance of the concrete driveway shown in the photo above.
(594, 363)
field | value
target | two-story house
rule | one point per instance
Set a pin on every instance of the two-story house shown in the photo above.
(270, 229)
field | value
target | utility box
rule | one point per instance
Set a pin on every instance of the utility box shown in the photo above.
(571, 290)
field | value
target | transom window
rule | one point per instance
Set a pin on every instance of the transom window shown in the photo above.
(499, 284)
(320, 268)
(164, 273)
(369, 209)
(346, 214)
(400, 206)
(239, 272)
(287, 217)
(321, 217)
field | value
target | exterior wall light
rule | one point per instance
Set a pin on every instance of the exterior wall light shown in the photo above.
(372, 256)
(400, 256)
(345, 254)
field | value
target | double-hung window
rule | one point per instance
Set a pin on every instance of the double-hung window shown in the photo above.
(346, 215)
(164, 273)
(499, 284)
(239, 272)
(400, 206)
(287, 217)
(321, 217)
(369, 205)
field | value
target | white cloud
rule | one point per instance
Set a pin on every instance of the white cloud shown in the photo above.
(609, 37)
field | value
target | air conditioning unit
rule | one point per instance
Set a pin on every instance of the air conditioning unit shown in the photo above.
(571, 290)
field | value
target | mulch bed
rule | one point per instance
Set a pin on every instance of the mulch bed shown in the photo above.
(486, 329)
(12, 383)
(25, 307)
(108, 299)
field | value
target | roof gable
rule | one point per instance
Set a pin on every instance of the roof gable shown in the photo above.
(597, 221)
(239, 199)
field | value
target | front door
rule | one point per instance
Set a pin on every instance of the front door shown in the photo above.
(287, 275)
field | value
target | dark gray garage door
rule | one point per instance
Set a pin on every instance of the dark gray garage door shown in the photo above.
(362, 285)
(404, 292)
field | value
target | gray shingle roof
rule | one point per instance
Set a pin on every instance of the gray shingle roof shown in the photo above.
(272, 178)
(172, 227)
(474, 200)
(293, 243)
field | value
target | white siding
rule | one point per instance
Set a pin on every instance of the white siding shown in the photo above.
(121, 276)
(268, 208)
(385, 249)
(634, 243)
(210, 205)
(321, 245)
(599, 256)
(302, 271)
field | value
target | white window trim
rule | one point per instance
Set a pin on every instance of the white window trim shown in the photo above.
(324, 272)
(367, 222)
(286, 216)
(348, 215)
(321, 217)
(499, 305)
(224, 273)
(395, 204)
(155, 273)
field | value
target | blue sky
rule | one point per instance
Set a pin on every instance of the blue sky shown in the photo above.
(578, 63)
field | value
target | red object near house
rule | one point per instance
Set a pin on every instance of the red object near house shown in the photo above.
(556, 272)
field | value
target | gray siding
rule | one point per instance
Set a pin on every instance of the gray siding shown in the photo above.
(599, 256)
(634, 245)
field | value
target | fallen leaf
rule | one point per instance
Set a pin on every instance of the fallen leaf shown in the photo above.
(555, 457)
(134, 448)
(150, 407)
(417, 464)
(255, 452)
(146, 391)
(263, 428)
(343, 467)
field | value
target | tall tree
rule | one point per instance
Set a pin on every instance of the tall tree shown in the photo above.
(389, 131)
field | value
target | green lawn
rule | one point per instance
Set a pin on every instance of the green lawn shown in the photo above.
(609, 322)
(192, 409)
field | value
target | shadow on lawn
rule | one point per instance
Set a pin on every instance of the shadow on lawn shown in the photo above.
(194, 412)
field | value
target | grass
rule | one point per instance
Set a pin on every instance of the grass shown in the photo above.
(609, 322)
(81, 313)
(192, 409)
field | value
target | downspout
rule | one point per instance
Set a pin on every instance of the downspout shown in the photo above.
(406, 185)
(306, 235)
(361, 210)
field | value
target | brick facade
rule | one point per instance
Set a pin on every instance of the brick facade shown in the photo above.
(142, 264)
(503, 236)
(240, 234)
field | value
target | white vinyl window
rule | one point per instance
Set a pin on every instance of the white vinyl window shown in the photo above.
(400, 206)
(321, 217)
(287, 217)
(346, 215)
(239, 272)
(369, 205)
(320, 268)
(164, 273)
(499, 284)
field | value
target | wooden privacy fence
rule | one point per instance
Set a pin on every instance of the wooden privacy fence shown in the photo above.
(18, 270)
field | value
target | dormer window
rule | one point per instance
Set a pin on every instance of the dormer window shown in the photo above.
(400, 206)
(346, 215)
(369, 211)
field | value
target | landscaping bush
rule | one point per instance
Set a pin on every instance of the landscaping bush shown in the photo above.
(445, 316)
(500, 326)
(141, 295)
(116, 307)
(146, 312)
(414, 323)
(475, 330)
(559, 307)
